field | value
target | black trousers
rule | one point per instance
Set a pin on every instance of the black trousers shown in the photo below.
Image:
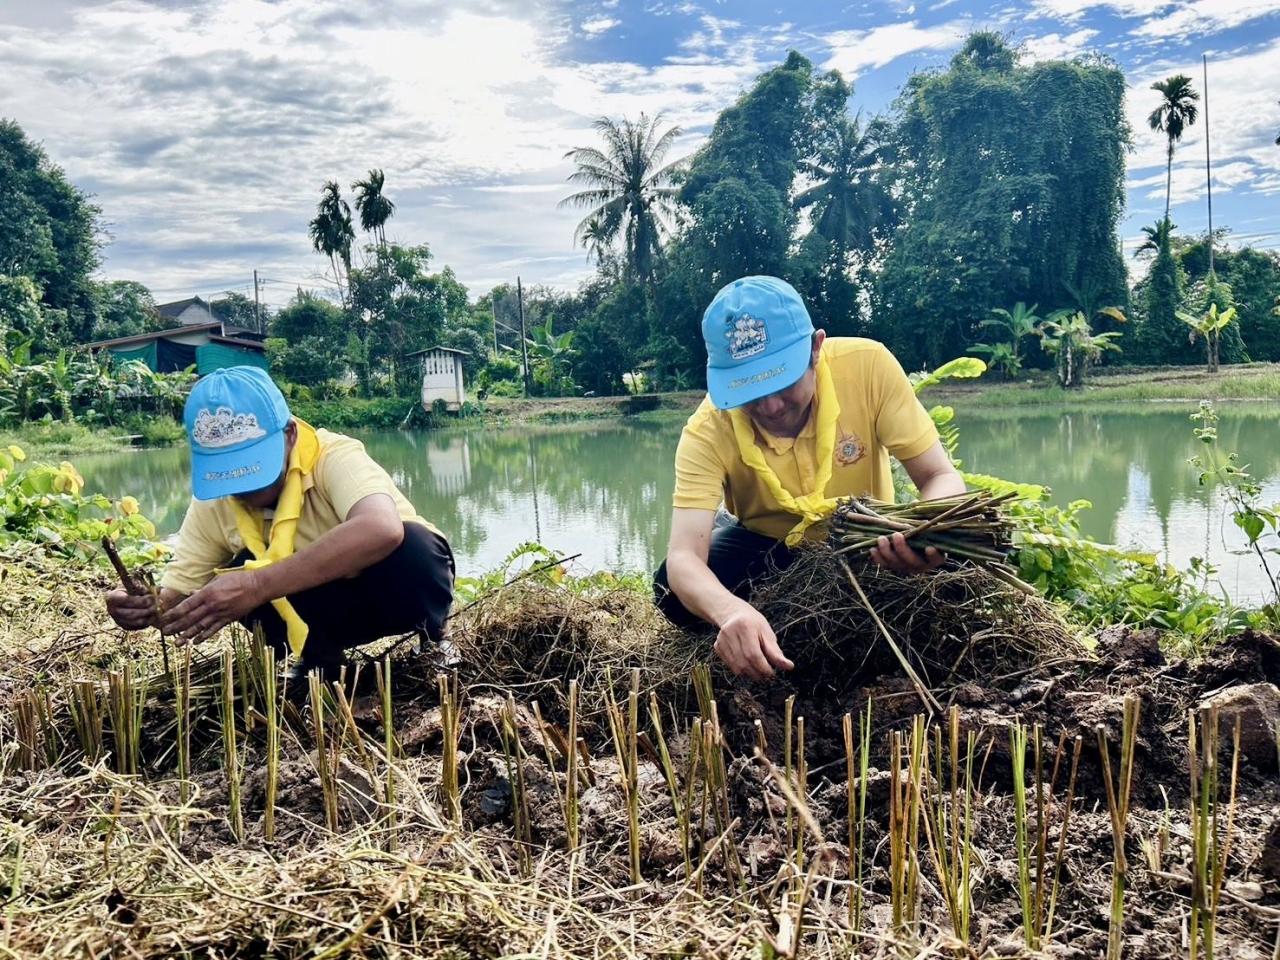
(409, 589)
(737, 556)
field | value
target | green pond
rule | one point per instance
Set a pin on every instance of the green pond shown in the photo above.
(603, 489)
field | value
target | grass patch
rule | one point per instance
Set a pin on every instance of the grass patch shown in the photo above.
(1133, 385)
(61, 439)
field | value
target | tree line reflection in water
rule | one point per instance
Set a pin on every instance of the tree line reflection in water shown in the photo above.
(604, 489)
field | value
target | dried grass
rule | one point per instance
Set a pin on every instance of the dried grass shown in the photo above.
(956, 625)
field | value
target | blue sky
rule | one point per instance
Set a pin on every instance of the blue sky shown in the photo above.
(204, 128)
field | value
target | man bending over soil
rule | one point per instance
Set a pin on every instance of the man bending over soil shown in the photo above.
(293, 529)
(792, 420)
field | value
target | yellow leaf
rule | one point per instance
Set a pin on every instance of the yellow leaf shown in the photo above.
(129, 506)
(17, 452)
(4, 475)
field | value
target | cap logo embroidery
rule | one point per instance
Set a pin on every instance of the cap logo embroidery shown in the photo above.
(224, 428)
(747, 336)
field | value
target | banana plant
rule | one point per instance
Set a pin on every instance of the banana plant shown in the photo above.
(1016, 324)
(552, 353)
(1209, 325)
(1067, 336)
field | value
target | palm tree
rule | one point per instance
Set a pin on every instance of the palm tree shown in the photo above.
(373, 206)
(1176, 112)
(594, 241)
(846, 197)
(331, 231)
(628, 190)
(1158, 237)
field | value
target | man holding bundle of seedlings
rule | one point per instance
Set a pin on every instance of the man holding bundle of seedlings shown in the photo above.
(793, 419)
(293, 529)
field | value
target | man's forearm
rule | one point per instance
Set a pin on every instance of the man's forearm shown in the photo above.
(699, 589)
(948, 484)
(344, 551)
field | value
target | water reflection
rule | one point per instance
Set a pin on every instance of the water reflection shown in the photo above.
(604, 490)
(1132, 466)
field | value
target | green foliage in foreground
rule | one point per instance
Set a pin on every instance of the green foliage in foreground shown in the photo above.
(43, 507)
(1101, 585)
(534, 563)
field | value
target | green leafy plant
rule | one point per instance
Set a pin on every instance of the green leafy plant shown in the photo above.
(1068, 337)
(1016, 325)
(1209, 326)
(1242, 493)
(45, 506)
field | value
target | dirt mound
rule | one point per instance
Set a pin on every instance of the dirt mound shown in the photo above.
(705, 822)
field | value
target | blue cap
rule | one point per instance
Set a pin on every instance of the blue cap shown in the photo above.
(235, 419)
(759, 340)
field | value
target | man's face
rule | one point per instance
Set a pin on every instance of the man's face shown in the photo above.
(266, 497)
(784, 413)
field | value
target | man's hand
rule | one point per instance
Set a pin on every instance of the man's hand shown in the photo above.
(894, 553)
(747, 644)
(132, 612)
(223, 600)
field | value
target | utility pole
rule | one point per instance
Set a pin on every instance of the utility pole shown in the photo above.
(524, 340)
(1208, 179)
(257, 309)
(493, 312)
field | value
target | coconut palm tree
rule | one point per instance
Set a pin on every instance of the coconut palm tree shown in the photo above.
(846, 198)
(373, 206)
(594, 241)
(331, 232)
(1176, 112)
(1158, 237)
(629, 192)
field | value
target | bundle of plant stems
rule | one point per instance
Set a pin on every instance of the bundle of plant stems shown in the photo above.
(970, 527)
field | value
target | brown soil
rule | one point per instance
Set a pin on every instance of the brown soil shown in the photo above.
(176, 879)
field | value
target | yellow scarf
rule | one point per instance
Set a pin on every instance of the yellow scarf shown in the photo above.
(811, 507)
(284, 526)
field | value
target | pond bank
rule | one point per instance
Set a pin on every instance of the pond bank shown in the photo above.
(1138, 385)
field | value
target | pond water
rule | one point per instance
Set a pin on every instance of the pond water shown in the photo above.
(604, 489)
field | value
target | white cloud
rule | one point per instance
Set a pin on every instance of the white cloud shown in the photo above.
(213, 128)
(599, 25)
(1074, 9)
(1244, 117)
(1166, 18)
(1204, 17)
(1057, 46)
(711, 37)
(852, 51)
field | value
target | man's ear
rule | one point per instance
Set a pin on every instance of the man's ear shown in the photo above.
(819, 337)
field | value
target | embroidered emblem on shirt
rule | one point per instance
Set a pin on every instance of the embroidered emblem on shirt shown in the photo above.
(224, 428)
(747, 336)
(849, 449)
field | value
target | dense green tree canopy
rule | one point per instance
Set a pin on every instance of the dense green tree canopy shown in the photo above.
(1012, 185)
(123, 308)
(49, 234)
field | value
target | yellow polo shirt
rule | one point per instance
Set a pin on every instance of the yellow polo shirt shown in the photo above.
(879, 416)
(343, 476)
